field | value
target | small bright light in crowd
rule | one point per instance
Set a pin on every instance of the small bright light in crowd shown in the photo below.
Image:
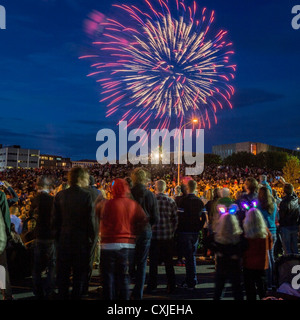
(156, 155)
(195, 120)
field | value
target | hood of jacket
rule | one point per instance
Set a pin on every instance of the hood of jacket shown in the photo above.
(120, 188)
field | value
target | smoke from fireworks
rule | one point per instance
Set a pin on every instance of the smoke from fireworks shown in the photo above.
(162, 63)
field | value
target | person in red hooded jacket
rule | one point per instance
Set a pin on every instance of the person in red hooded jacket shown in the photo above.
(121, 220)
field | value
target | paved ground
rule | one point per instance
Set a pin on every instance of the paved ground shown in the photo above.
(22, 290)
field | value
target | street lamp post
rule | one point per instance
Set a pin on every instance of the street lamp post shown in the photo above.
(178, 159)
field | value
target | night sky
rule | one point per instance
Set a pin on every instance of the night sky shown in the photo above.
(48, 103)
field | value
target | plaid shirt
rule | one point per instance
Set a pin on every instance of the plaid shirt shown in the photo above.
(167, 222)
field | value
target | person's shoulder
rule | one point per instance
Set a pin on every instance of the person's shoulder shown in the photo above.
(170, 200)
(196, 198)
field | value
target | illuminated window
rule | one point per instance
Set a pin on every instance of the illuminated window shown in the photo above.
(253, 149)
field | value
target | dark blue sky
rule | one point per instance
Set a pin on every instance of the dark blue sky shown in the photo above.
(47, 102)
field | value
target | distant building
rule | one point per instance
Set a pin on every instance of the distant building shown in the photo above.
(54, 162)
(16, 157)
(226, 150)
(84, 163)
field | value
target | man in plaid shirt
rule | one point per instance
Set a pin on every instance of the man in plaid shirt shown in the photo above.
(162, 242)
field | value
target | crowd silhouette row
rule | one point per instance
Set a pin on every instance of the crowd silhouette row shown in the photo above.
(56, 226)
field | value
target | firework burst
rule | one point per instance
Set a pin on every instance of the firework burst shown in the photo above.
(164, 63)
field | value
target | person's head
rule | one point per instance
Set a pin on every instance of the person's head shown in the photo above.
(288, 189)
(191, 186)
(263, 178)
(251, 185)
(14, 210)
(209, 194)
(183, 189)
(160, 186)
(103, 193)
(216, 193)
(31, 224)
(139, 176)
(92, 181)
(225, 193)
(78, 176)
(228, 230)
(254, 224)
(43, 183)
(120, 188)
(178, 190)
(265, 199)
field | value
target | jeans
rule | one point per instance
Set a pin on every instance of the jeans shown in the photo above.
(255, 283)
(289, 237)
(114, 268)
(72, 259)
(188, 243)
(139, 263)
(161, 250)
(43, 257)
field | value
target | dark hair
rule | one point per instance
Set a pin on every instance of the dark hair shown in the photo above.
(251, 184)
(192, 185)
(288, 189)
(75, 174)
(183, 189)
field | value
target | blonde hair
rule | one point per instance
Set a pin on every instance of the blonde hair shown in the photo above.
(228, 229)
(139, 175)
(160, 186)
(254, 225)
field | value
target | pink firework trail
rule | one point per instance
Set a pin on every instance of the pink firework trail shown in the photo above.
(163, 63)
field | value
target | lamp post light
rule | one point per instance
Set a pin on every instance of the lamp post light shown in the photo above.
(194, 121)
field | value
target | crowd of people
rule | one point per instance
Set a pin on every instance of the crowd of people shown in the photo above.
(121, 217)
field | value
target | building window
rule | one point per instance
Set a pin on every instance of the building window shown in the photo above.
(253, 149)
